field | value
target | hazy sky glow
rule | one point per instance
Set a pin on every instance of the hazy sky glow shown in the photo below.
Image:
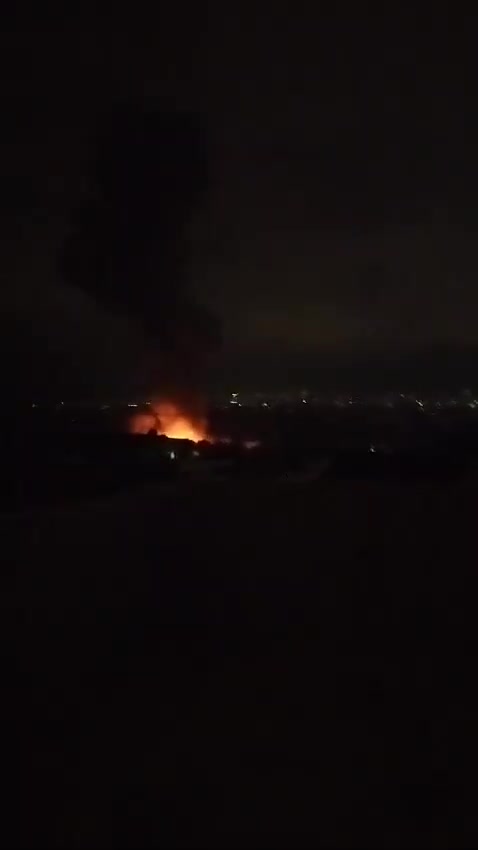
(340, 223)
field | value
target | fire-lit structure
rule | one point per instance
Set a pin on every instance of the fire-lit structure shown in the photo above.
(168, 419)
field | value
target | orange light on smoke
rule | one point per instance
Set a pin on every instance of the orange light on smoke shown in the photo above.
(167, 418)
(171, 420)
(143, 423)
(178, 424)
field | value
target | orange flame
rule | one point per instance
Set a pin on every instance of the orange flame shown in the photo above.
(179, 424)
(169, 419)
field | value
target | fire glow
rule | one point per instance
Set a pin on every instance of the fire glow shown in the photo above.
(168, 419)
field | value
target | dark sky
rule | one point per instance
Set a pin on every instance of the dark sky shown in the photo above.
(339, 231)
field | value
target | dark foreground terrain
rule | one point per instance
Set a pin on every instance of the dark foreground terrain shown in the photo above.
(243, 664)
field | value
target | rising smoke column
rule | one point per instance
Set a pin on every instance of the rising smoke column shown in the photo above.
(129, 247)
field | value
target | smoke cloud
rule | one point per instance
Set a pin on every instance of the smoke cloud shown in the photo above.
(130, 243)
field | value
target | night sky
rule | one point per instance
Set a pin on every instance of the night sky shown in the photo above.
(337, 239)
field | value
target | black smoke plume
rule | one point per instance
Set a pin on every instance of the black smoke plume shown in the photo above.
(129, 247)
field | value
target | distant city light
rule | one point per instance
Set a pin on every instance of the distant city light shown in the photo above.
(172, 455)
(132, 405)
